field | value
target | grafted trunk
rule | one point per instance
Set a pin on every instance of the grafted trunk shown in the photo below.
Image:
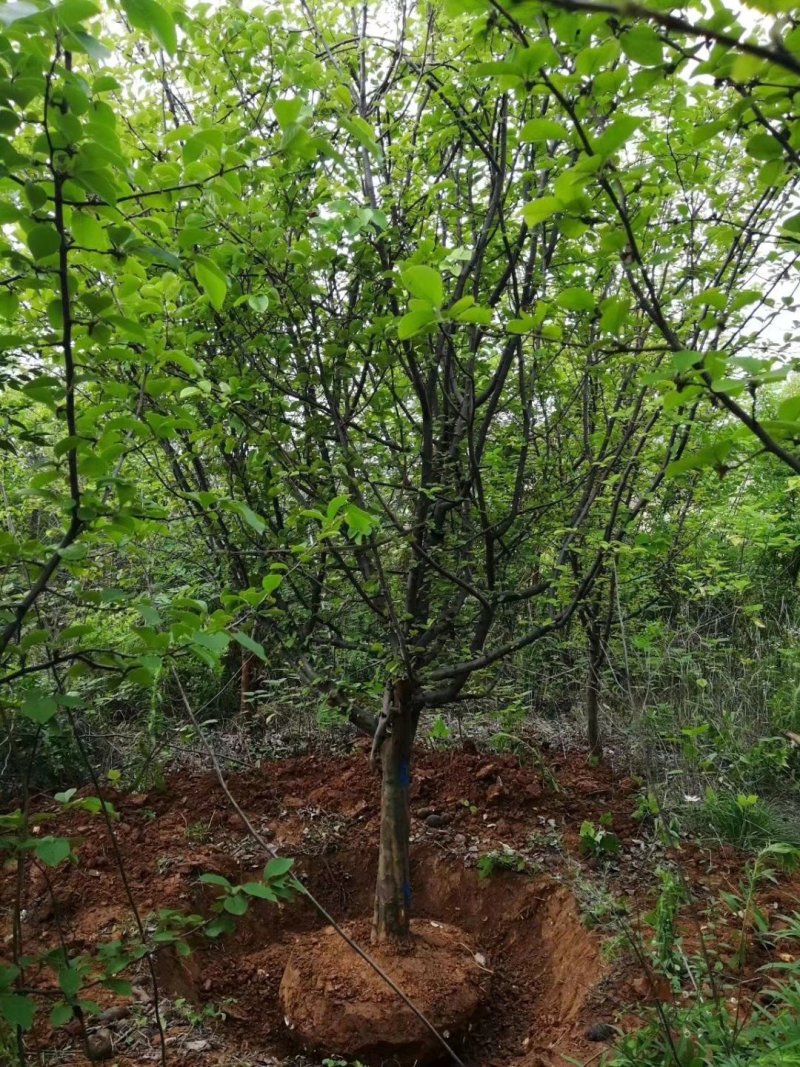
(393, 891)
(593, 694)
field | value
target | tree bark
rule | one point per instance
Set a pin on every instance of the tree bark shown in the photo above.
(393, 891)
(246, 682)
(593, 685)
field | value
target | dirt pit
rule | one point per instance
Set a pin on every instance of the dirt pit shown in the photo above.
(543, 970)
(527, 913)
(335, 1002)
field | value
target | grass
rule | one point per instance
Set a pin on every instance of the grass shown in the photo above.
(744, 820)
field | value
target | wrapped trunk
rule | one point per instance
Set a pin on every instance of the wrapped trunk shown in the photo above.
(393, 890)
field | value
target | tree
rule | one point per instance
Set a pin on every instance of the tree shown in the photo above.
(407, 332)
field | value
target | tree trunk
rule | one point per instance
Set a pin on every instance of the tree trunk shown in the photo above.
(246, 682)
(593, 694)
(393, 891)
(244, 685)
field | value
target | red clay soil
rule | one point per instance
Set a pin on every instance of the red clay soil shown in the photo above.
(220, 1006)
(335, 1002)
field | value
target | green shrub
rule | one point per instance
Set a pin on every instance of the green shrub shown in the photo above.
(744, 820)
(598, 840)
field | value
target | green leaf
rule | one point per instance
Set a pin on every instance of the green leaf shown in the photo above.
(36, 195)
(277, 868)
(617, 134)
(336, 505)
(540, 210)
(9, 305)
(8, 975)
(73, 552)
(642, 44)
(460, 305)
(53, 850)
(98, 181)
(425, 283)
(543, 130)
(9, 212)
(255, 522)
(710, 456)
(414, 322)
(39, 707)
(60, 1014)
(223, 924)
(764, 146)
(9, 121)
(43, 240)
(88, 232)
(70, 981)
(613, 313)
(360, 523)
(73, 12)
(591, 60)
(270, 582)
(212, 281)
(287, 111)
(789, 409)
(362, 132)
(522, 325)
(258, 889)
(154, 20)
(104, 83)
(236, 904)
(80, 41)
(215, 879)
(15, 1009)
(575, 298)
(252, 646)
(121, 986)
(160, 255)
(217, 643)
(479, 315)
(683, 361)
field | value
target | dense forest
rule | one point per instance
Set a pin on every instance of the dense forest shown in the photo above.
(400, 457)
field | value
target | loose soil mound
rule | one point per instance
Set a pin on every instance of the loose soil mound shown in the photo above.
(335, 1002)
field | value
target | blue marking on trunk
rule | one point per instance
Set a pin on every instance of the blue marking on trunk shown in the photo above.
(405, 776)
(407, 893)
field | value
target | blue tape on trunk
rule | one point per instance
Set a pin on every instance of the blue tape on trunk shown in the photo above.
(405, 777)
(407, 893)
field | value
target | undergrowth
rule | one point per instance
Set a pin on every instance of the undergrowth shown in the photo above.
(713, 1022)
(744, 820)
(702, 1035)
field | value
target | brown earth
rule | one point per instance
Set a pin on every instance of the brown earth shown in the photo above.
(335, 1002)
(220, 1005)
